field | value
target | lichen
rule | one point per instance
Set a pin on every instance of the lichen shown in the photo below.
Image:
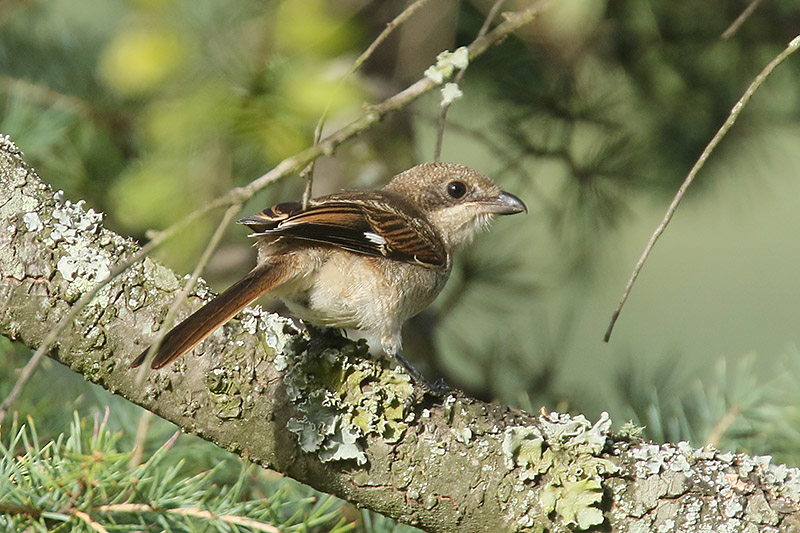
(224, 391)
(69, 225)
(278, 330)
(446, 63)
(565, 455)
(32, 221)
(7, 145)
(342, 398)
(162, 278)
(522, 448)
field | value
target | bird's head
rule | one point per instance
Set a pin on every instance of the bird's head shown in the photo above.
(456, 199)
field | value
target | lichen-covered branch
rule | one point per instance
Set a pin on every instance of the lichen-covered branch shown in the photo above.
(315, 407)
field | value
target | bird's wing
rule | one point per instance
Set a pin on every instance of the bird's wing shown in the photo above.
(370, 227)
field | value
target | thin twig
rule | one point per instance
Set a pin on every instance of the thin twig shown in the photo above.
(47, 96)
(734, 114)
(437, 152)
(736, 24)
(141, 436)
(176, 304)
(390, 27)
(240, 195)
(308, 172)
(89, 521)
(233, 519)
(722, 426)
(188, 511)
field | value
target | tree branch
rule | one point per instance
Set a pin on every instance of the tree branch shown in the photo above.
(314, 407)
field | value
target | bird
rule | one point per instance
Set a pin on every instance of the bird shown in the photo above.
(364, 259)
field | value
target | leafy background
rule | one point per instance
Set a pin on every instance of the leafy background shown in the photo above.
(148, 109)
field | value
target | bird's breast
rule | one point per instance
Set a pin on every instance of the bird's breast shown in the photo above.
(369, 293)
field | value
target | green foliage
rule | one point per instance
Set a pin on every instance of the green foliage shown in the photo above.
(82, 481)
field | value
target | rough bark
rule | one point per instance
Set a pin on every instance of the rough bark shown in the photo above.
(317, 409)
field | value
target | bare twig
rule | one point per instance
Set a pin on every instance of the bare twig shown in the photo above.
(188, 511)
(722, 426)
(198, 269)
(141, 436)
(47, 96)
(308, 175)
(390, 27)
(736, 24)
(308, 172)
(232, 519)
(734, 114)
(89, 521)
(437, 152)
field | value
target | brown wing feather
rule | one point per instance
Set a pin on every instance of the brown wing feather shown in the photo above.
(270, 217)
(408, 238)
(369, 226)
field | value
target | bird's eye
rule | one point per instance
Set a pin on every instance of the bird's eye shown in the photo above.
(456, 189)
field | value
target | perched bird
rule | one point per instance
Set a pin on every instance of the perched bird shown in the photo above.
(362, 259)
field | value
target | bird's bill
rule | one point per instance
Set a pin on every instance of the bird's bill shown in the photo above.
(504, 203)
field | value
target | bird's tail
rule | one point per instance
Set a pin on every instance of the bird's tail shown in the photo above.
(215, 313)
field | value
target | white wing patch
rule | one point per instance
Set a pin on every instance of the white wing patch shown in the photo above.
(375, 238)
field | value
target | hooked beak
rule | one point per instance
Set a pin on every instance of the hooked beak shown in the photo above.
(505, 203)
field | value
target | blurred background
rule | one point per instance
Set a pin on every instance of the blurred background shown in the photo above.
(593, 114)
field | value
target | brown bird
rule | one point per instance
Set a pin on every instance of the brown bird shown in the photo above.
(362, 259)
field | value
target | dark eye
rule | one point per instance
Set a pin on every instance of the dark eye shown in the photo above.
(456, 189)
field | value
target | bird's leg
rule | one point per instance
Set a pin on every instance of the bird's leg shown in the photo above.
(333, 336)
(391, 343)
(440, 388)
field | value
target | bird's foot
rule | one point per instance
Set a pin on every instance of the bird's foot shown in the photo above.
(439, 388)
(326, 337)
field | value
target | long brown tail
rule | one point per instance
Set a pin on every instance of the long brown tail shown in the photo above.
(215, 313)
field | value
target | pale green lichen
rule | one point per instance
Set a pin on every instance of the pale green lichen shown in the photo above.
(278, 331)
(522, 448)
(574, 502)
(83, 266)
(225, 391)
(463, 435)
(65, 228)
(450, 93)
(162, 278)
(9, 146)
(342, 445)
(32, 221)
(785, 479)
(229, 383)
(446, 63)
(630, 430)
(566, 456)
(342, 398)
